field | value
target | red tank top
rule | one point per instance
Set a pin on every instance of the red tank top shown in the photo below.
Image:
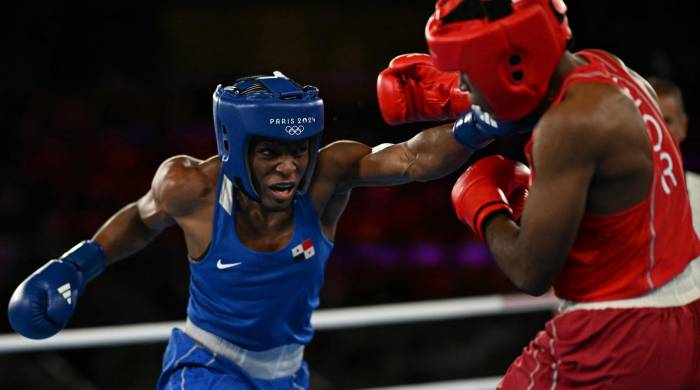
(628, 253)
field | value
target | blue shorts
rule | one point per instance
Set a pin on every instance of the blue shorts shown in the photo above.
(188, 365)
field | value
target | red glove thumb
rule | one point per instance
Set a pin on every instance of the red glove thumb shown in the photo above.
(492, 184)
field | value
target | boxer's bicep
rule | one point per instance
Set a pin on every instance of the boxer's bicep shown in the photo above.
(151, 212)
(429, 155)
(131, 228)
(175, 192)
(344, 165)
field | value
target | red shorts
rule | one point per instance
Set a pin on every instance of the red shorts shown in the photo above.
(632, 348)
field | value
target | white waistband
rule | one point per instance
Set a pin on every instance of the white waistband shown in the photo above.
(681, 290)
(273, 363)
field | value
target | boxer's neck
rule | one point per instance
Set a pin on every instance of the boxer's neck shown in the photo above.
(568, 62)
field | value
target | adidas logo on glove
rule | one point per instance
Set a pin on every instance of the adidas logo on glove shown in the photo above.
(65, 291)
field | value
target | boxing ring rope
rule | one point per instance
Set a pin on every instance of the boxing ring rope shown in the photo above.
(326, 319)
(488, 383)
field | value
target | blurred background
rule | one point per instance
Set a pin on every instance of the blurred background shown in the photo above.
(94, 96)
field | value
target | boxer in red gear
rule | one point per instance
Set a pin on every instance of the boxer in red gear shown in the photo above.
(607, 222)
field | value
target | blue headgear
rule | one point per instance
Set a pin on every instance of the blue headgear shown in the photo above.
(267, 106)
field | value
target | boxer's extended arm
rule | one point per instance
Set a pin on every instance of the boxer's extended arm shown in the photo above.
(344, 165)
(179, 191)
(430, 155)
(564, 157)
(135, 225)
(44, 302)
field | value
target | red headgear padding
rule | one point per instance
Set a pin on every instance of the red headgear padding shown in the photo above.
(511, 59)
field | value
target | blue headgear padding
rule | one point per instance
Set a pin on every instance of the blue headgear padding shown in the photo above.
(268, 106)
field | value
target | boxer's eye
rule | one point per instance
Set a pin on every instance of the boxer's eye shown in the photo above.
(300, 151)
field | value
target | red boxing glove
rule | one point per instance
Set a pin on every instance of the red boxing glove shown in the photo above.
(493, 184)
(411, 89)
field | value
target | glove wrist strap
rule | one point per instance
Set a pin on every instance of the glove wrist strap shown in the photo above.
(88, 256)
(485, 213)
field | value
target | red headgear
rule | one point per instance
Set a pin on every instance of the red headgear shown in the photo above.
(509, 57)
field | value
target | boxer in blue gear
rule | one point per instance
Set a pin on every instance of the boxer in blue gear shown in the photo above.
(259, 221)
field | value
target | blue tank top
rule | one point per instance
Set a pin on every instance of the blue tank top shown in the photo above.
(258, 300)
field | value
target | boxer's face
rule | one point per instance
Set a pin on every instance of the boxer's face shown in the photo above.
(675, 119)
(277, 169)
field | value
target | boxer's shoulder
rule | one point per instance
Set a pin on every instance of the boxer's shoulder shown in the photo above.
(595, 108)
(338, 158)
(590, 117)
(183, 181)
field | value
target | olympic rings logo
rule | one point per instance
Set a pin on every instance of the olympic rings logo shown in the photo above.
(294, 130)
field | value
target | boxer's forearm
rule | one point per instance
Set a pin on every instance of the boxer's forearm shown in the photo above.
(527, 267)
(437, 154)
(430, 155)
(126, 233)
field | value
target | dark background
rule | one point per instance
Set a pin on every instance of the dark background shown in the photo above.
(94, 96)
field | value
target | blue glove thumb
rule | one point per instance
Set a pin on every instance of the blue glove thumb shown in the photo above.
(476, 128)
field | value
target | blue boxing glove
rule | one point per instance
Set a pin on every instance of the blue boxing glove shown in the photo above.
(476, 129)
(44, 302)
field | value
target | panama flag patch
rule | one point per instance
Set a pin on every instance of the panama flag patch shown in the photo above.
(303, 251)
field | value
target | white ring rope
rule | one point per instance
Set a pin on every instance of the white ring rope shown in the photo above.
(487, 383)
(327, 319)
